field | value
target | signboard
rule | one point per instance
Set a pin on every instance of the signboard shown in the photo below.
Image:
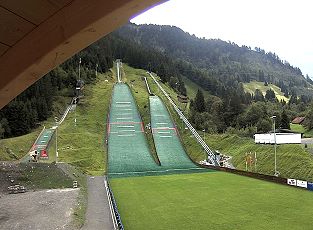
(302, 183)
(310, 186)
(43, 153)
(292, 182)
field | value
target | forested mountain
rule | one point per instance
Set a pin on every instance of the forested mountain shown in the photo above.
(225, 60)
(219, 67)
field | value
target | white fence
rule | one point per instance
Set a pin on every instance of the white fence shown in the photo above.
(281, 138)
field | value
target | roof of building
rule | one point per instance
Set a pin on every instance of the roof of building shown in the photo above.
(298, 120)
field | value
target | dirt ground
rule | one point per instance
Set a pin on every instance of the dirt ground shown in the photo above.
(36, 208)
(46, 209)
(9, 172)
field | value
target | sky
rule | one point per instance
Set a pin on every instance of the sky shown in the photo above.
(281, 26)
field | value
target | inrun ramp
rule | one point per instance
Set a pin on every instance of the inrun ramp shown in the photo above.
(127, 145)
(168, 145)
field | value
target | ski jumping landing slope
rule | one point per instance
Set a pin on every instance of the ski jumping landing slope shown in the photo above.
(128, 150)
(168, 146)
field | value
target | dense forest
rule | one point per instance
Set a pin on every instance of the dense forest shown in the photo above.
(38, 102)
(219, 67)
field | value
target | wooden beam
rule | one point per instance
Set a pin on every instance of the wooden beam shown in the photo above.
(3, 48)
(65, 33)
(35, 11)
(12, 27)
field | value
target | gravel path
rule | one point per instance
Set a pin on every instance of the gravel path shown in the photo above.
(45, 209)
(98, 214)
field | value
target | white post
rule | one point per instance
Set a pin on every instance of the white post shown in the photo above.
(75, 110)
(275, 157)
(56, 139)
(255, 160)
(203, 134)
(80, 60)
(246, 162)
(96, 69)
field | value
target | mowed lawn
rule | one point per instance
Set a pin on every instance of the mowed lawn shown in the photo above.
(213, 200)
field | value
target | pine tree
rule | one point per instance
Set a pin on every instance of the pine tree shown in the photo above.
(199, 104)
(284, 120)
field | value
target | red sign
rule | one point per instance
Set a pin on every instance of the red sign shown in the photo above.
(43, 153)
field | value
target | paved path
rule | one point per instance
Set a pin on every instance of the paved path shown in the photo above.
(98, 214)
(307, 141)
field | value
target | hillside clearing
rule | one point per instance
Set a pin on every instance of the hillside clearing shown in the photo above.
(253, 85)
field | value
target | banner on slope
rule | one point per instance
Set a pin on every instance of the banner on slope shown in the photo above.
(292, 182)
(302, 183)
(310, 186)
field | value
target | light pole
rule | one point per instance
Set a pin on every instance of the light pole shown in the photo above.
(276, 173)
(203, 134)
(56, 139)
(80, 61)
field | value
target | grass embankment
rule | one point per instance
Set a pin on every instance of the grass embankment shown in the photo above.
(292, 159)
(83, 144)
(253, 85)
(192, 89)
(134, 78)
(43, 176)
(214, 200)
(16, 147)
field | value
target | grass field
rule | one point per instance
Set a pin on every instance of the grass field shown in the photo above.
(192, 89)
(253, 85)
(83, 145)
(213, 200)
(301, 129)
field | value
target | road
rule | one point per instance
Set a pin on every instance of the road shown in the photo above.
(98, 216)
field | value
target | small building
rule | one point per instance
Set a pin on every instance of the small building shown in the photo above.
(298, 120)
(282, 137)
(182, 98)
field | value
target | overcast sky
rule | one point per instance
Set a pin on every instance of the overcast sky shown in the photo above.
(281, 26)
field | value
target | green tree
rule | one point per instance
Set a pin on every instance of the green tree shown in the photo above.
(264, 125)
(284, 123)
(270, 95)
(258, 95)
(199, 104)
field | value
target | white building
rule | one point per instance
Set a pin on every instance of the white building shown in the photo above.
(281, 138)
